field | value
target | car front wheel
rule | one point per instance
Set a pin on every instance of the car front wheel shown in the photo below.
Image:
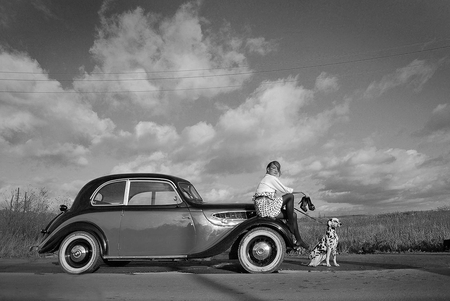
(79, 253)
(261, 250)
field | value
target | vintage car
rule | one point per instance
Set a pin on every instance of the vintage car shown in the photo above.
(120, 218)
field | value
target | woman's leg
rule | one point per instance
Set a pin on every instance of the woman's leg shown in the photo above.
(291, 216)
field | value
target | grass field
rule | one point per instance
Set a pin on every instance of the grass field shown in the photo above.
(417, 231)
(421, 231)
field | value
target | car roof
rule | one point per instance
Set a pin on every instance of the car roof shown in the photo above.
(138, 176)
(91, 186)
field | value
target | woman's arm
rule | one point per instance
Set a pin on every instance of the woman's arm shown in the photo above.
(278, 186)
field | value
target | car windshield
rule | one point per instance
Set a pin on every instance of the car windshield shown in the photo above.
(190, 192)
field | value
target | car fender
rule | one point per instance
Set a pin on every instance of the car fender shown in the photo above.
(52, 242)
(233, 238)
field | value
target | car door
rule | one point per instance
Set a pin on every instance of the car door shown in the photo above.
(155, 221)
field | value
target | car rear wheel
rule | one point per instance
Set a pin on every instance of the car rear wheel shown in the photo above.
(79, 253)
(261, 250)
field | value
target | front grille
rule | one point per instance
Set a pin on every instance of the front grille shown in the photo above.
(235, 215)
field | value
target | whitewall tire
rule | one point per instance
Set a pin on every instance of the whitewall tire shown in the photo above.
(79, 253)
(261, 250)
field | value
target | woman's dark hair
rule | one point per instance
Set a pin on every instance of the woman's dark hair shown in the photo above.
(277, 165)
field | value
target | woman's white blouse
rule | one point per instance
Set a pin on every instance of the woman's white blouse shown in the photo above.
(272, 184)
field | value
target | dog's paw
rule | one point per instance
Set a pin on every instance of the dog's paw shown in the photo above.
(336, 265)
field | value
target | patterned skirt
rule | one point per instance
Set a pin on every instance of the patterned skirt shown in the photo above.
(267, 205)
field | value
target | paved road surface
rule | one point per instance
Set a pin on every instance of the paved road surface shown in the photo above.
(360, 277)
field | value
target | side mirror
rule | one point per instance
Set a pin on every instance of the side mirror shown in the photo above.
(63, 208)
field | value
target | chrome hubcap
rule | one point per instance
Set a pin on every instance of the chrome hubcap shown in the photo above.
(261, 250)
(78, 253)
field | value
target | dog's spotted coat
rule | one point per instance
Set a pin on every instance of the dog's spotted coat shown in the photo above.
(327, 245)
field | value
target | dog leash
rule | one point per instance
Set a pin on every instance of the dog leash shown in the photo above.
(300, 192)
(309, 216)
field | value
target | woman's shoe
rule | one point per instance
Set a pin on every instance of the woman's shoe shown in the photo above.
(310, 204)
(303, 204)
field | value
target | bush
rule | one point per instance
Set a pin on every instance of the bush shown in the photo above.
(22, 217)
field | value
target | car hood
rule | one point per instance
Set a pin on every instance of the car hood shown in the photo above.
(206, 205)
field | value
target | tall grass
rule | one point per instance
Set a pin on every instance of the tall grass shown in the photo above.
(24, 213)
(418, 231)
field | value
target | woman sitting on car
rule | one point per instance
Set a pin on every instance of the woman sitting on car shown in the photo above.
(267, 204)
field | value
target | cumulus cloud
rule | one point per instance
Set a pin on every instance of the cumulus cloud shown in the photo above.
(134, 52)
(261, 45)
(161, 162)
(156, 135)
(41, 122)
(416, 74)
(326, 83)
(145, 65)
(174, 58)
(131, 51)
(376, 177)
(269, 117)
(199, 134)
(272, 123)
(274, 120)
(223, 195)
(59, 153)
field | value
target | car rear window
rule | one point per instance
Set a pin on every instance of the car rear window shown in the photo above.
(110, 194)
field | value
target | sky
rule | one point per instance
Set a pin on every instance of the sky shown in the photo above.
(351, 97)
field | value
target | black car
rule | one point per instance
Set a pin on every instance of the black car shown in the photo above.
(120, 218)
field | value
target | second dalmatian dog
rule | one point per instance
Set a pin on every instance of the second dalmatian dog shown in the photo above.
(327, 245)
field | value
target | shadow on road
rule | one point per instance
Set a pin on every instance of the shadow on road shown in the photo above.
(435, 263)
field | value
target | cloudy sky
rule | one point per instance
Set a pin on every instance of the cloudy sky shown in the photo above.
(351, 97)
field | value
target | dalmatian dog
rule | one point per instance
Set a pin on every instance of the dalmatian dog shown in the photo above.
(327, 245)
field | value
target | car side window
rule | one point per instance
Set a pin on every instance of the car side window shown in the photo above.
(152, 194)
(190, 193)
(110, 194)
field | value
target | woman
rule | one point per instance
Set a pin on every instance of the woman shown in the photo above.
(267, 204)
